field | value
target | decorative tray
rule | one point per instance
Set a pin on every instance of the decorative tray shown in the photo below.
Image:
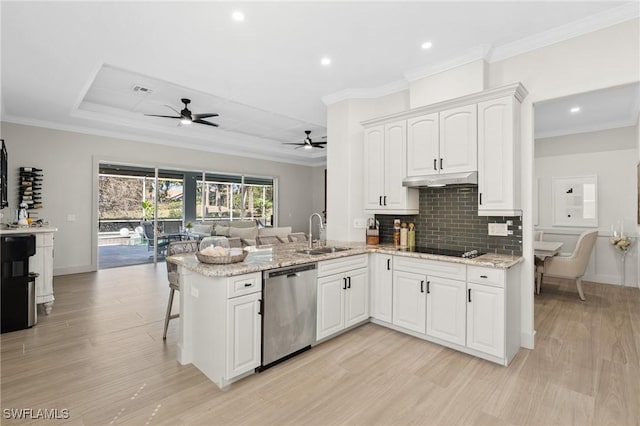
(221, 260)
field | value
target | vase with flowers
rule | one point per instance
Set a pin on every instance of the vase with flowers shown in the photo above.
(622, 243)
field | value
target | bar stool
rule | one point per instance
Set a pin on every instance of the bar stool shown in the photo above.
(176, 247)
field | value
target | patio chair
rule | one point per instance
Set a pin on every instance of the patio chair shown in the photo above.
(176, 247)
(149, 233)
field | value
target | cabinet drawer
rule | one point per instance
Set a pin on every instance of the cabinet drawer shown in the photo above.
(454, 271)
(343, 264)
(489, 276)
(244, 284)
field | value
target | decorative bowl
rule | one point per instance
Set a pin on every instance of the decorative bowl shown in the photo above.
(221, 260)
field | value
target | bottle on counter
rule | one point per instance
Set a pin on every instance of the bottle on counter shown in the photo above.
(411, 235)
(396, 232)
(404, 235)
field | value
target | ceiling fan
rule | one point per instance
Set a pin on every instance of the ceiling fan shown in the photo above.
(307, 143)
(186, 117)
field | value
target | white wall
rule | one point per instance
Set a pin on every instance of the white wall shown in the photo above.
(612, 156)
(68, 160)
(345, 178)
(456, 82)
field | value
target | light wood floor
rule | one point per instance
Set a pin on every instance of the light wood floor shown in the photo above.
(100, 355)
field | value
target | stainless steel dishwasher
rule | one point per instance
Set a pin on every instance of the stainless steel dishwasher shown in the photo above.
(289, 312)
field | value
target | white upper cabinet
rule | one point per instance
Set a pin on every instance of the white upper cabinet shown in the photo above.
(385, 167)
(423, 145)
(458, 140)
(444, 142)
(498, 157)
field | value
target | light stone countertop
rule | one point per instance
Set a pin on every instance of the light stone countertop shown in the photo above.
(4, 230)
(287, 255)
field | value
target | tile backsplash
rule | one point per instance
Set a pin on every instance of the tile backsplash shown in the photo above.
(449, 219)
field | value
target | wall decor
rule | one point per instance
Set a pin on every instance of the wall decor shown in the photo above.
(575, 201)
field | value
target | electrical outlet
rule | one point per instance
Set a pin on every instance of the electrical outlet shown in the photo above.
(498, 229)
(71, 217)
(194, 292)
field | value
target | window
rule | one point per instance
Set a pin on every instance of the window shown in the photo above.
(235, 197)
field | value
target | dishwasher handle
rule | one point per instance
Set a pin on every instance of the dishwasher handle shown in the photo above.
(294, 275)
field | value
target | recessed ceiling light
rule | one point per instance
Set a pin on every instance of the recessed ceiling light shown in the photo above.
(325, 61)
(426, 45)
(238, 16)
(574, 110)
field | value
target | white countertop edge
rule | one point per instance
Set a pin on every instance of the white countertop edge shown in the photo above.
(28, 230)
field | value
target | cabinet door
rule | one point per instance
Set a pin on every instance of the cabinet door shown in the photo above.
(459, 140)
(423, 151)
(356, 302)
(36, 265)
(409, 304)
(374, 163)
(497, 155)
(243, 334)
(382, 287)
(395, 195)
(330, 315)
(485, 319)
(446, 309)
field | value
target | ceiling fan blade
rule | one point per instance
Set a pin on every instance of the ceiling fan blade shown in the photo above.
(208, 123)
(163, 116)
(201, 116)
(319, 143)
(317, 146)
(173, 109)
(298, 147)
(292, 143)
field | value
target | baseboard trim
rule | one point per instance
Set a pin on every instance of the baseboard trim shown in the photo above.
(73, 270)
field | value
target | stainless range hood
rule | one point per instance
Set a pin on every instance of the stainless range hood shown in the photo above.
(466, 178)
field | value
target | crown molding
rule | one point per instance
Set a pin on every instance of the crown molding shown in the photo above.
(568, 31)
(481, 52)
(237, 151)
(372, 93)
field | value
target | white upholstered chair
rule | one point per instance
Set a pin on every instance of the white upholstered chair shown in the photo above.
(573, 266)
(176, 247)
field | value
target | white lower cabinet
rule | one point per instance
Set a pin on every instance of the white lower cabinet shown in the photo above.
(220, 324)
(243, 334)
(485, 319)
(42, 264)
(446, 310)
(343, 296)
(381, 286)
(409, 300)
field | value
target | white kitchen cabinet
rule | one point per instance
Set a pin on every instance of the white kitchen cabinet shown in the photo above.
(458, 140)
(220, 324)
(385, 168)
(42, 264)
(446, 309)
(343, 294)
(381, 287)
(493, 314)
(423, 145)
(409, 300)
(243, 334)
(485, 319)
(499, 157)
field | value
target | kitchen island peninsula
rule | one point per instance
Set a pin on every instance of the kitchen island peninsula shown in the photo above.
(469, 304)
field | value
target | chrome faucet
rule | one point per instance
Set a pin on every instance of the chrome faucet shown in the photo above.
(311, 229)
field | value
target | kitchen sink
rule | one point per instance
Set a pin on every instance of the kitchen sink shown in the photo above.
(322, 250)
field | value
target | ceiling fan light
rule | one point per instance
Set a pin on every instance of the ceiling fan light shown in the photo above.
(308, 147)
(185, 121)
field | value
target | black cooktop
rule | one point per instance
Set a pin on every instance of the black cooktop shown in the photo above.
(445, 252)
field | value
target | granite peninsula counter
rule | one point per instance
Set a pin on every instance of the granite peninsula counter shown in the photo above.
(288, 255)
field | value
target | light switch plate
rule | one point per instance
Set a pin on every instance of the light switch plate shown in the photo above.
(194, 292)
(498, 229)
